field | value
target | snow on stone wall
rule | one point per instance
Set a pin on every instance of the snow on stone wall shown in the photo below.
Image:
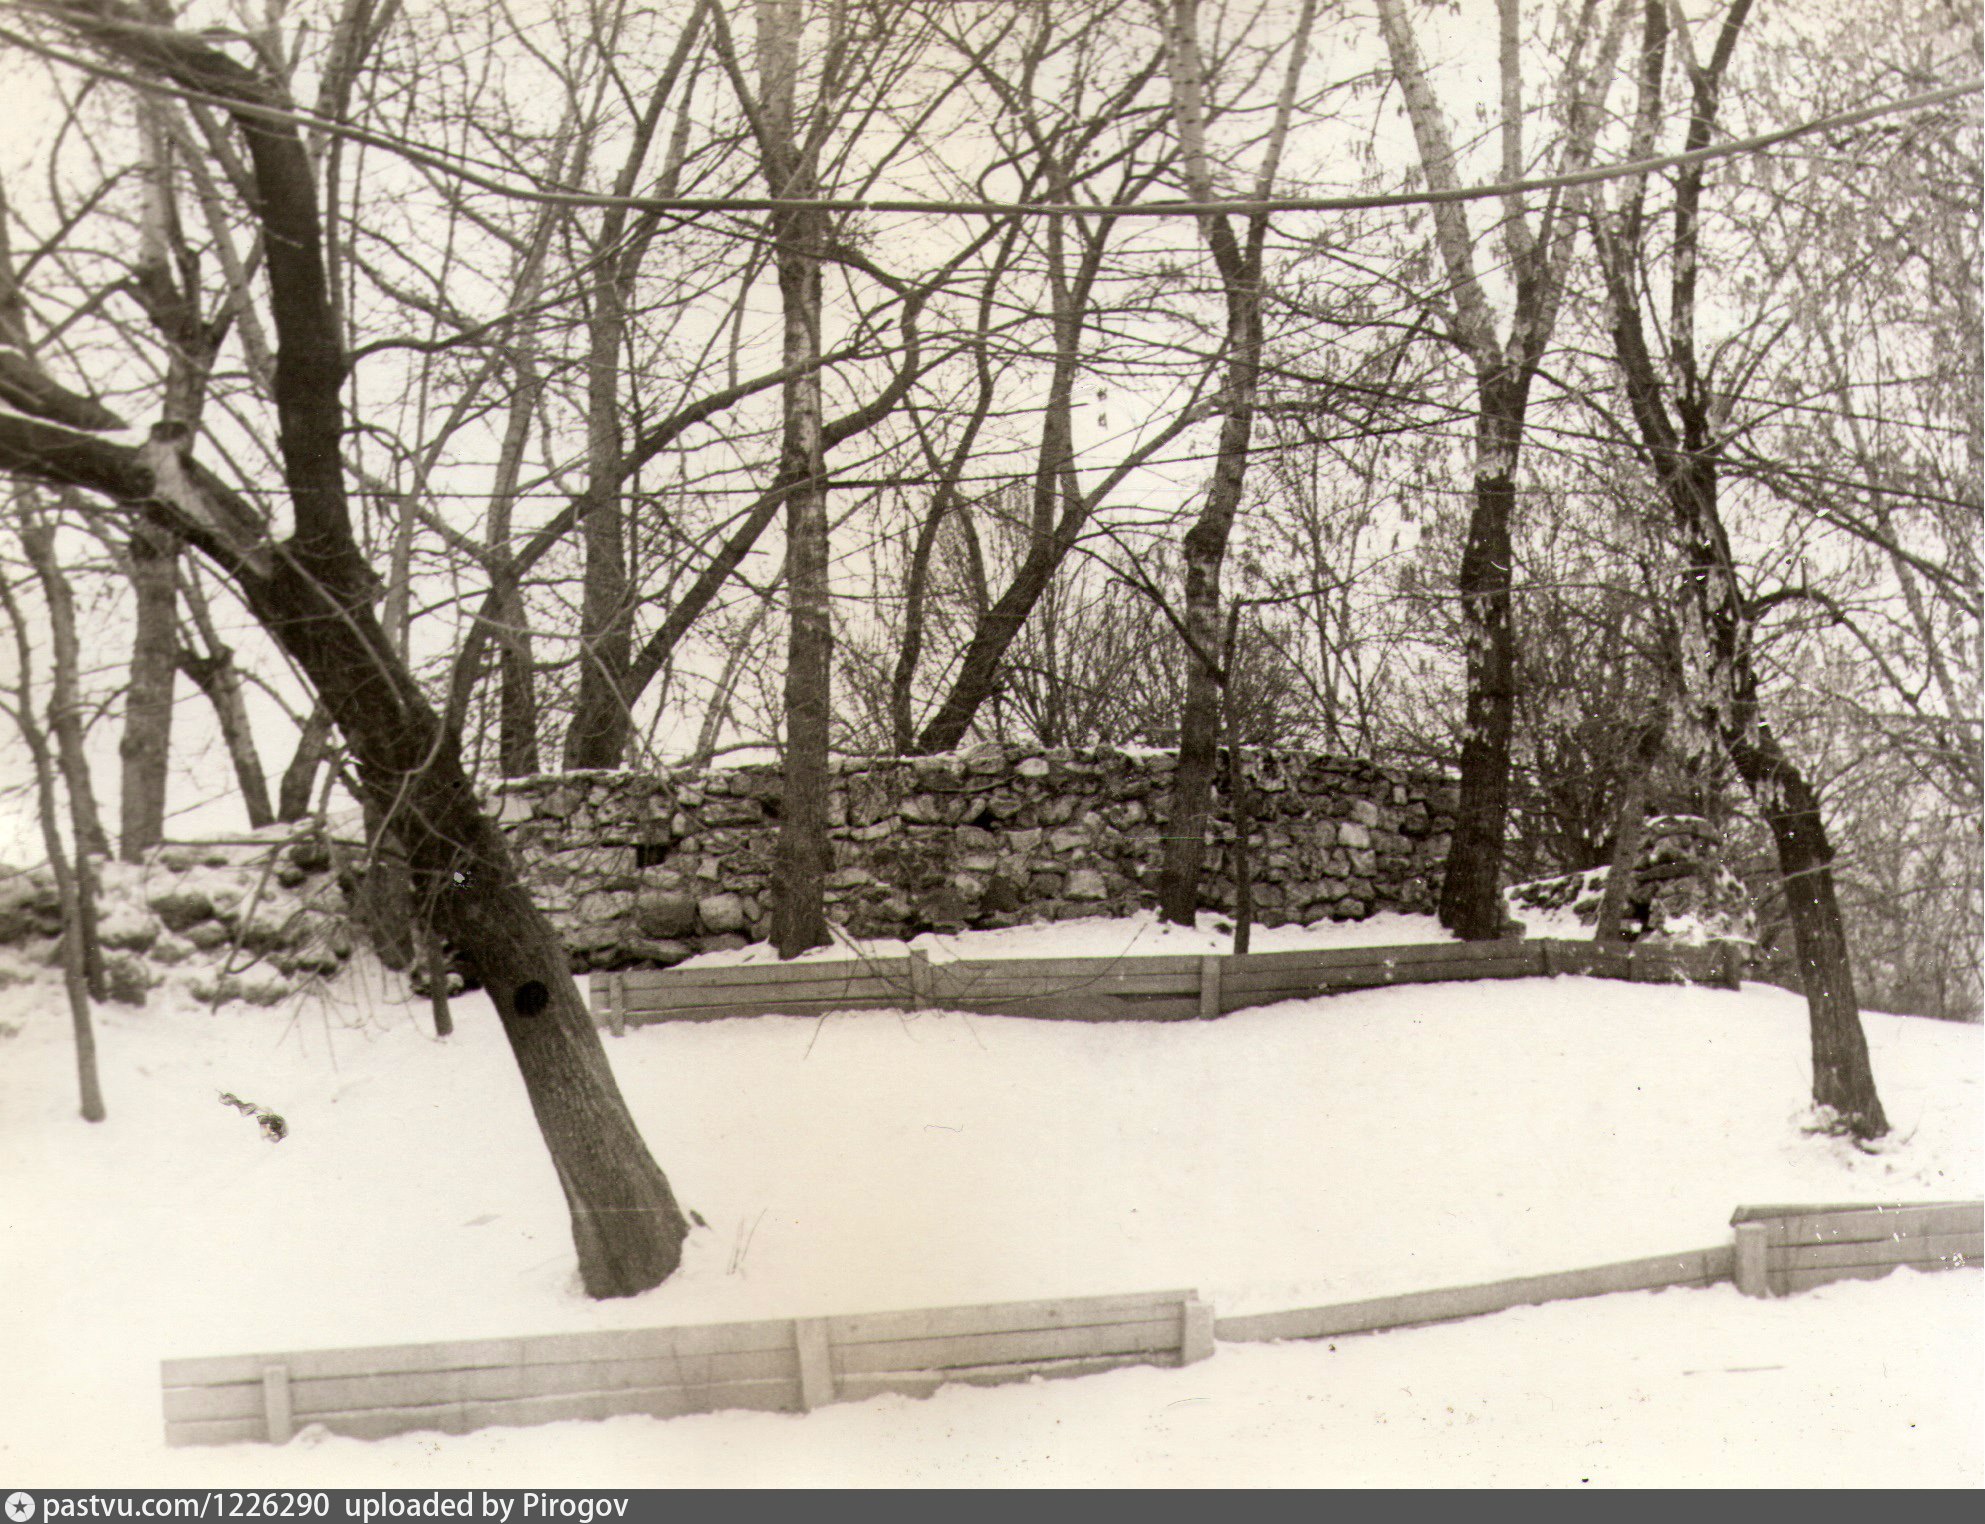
(1682, 891)
(649, 868)
(252, 919)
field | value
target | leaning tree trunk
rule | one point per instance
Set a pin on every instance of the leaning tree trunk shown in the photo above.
(626, 1224)
(1843, 1078)
(216, 675)
(314, 592)
(1685, 456)
(300, 777)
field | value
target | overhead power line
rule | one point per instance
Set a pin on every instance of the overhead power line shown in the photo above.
(559, 196)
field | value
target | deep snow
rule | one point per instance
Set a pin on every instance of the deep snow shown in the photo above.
(1314, 1152)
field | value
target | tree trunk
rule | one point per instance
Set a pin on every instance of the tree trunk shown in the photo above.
(71, 760)
(601, 722)
(799, 917)
(216, 675)
(799, 907)
(1240, 803)
(65, 706)
(314, 593)
(1239, 264)
(437, 987)
(1052, 535)
(517, 693)
(1628, 837)
(1205, 550)
(1471, 903)
(382, 901)
(603, 713)
(146, 748)
(1671, 413)
(1537, 254)
(300, 777)
(78, 938)
(1199, 715)
(626, 1225)
(1843, 1079)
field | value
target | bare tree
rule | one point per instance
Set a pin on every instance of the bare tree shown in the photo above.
(1238, 260)
(1682, 426)
(1536, 249)
(314, 593)
(77, 932)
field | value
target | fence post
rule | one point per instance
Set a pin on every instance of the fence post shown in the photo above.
(1547, 958)
(1753, 1252)
(1209, 986)
(1733, 963)
(276, 1404)
(616, 1002)
(816, 1363)
(919, 979)
(1196, 1332)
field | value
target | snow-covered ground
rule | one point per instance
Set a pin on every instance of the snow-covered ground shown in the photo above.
(1313, 1152)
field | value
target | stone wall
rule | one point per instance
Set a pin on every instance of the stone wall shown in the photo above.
(646, 869)
(1682, 889)
(253, 919)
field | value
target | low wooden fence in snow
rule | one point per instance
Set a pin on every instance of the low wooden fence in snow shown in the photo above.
(1783, 1249)
(1694, 1267)
(786, 1365)
(797, 1364)
(1152, 987)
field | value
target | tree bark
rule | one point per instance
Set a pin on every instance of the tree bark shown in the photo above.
(1470, 902)
(71, 760)
(602, 721)
(1051, 536)
(1628, 836)
(146, 746)
(603, 712)
(300, 777)
(799, 914)
(216, 676)
(213, 671)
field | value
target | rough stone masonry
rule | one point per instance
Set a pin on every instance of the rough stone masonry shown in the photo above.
(645, 869)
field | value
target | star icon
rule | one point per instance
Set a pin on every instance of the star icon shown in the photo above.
(19, 1508)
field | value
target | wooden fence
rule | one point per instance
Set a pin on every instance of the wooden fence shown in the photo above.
(787, 1365)
(1155, 987)
(795, 1365)
(1783, 1249)
(1695, 1267)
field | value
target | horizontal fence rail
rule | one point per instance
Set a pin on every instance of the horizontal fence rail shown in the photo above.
(1783, 1249)
(1154, 987)
(797, 1364)
(785, 1365)
(1695, 1267)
